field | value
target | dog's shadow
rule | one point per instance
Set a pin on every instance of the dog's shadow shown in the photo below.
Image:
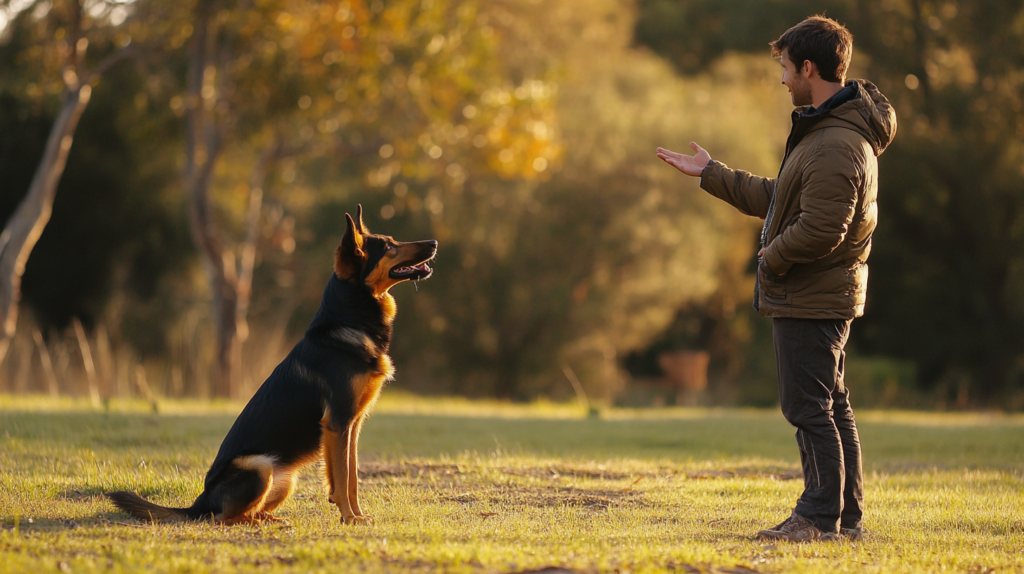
(30, 524)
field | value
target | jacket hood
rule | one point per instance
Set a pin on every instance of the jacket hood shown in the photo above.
(870, 113)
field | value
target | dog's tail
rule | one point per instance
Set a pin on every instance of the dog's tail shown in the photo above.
(145, 510)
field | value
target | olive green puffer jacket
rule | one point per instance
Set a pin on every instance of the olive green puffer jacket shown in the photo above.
(820, 212)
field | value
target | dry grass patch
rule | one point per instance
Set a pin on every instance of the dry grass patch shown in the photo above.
(525, 490)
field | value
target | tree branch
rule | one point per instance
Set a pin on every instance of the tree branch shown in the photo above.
(108, 62)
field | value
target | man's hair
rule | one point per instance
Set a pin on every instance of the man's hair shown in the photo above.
(821, 40)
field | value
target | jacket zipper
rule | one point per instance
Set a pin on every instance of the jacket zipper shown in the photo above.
(790, 144)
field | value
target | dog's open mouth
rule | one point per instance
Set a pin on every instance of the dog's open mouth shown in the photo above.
(415, 272)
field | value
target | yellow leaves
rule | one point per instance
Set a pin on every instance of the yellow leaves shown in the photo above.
(343, 13)
(435, 45)
(178, 105)
(285, 21)
(178, 40)
(329, 125)
(952, 66)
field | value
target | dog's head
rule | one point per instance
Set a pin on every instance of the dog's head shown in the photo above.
(378, 261)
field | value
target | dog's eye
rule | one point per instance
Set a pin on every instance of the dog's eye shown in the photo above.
(392, 248)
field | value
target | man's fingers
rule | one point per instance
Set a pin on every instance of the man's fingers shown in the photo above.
(671, 161)
(688, 164)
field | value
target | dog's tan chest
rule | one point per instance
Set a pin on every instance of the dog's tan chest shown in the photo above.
(388, 306)
(366, 388)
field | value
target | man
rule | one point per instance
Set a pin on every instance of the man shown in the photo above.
(812, 273)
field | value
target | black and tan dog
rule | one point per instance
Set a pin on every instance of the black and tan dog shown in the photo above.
(313, 405)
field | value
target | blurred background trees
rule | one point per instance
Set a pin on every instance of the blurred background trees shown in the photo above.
(946, 272)
(193, 227)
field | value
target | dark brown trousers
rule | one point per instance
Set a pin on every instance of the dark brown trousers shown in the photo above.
(811, 362)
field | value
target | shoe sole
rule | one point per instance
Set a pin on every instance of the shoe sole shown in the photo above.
(773, 535)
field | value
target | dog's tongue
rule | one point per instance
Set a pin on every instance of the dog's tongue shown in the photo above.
(420, 267)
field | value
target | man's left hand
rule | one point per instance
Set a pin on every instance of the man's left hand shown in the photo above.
(760, 254)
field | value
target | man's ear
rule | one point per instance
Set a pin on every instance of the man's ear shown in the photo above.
(809, 68)
(349, 257)
(359, 220)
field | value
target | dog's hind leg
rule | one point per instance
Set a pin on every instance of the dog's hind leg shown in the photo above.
(353, 466)
(280, 490)
(327, 452)
(243, 494)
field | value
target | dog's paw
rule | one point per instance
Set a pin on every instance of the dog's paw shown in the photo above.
(267, 517)
(355, 519)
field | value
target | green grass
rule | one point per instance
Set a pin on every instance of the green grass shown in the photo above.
(465, 486)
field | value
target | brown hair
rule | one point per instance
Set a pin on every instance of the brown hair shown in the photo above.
(821, 40)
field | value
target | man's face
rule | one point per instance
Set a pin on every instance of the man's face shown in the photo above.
(797, 82)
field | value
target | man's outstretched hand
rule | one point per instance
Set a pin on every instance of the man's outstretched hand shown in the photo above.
(688, 164)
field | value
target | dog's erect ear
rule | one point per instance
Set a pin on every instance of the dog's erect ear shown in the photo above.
(349, 257)
(359, 220)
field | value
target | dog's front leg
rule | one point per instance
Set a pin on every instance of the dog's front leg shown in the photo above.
(336, 458)
(353, 466)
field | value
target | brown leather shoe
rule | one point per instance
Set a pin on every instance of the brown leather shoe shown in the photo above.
(796, 528)
(852, 534)
(778, 526)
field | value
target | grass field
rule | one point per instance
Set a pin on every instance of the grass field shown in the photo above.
(466, 486)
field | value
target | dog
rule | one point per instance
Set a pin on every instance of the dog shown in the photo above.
(313, 405)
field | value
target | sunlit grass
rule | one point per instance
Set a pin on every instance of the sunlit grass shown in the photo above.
(459, 485)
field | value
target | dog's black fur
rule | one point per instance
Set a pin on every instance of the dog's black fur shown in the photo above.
(312, 406)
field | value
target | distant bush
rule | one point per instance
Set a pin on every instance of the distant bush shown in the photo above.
(883, 382)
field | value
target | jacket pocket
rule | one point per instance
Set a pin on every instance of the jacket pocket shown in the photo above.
(773, 287)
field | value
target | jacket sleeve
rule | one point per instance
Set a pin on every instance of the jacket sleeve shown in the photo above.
(828, 197)
(746, 192)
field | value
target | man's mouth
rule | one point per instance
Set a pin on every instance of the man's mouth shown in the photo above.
(420, 271)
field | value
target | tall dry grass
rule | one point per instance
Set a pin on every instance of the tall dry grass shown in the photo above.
(81, 362)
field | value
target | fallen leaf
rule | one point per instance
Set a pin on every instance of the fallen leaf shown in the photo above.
(630, 487)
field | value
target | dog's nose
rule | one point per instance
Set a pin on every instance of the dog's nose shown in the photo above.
(433, 244)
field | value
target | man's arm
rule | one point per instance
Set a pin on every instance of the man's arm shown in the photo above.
(827, 203)
(749, 193)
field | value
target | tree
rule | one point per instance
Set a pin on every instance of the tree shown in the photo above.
(65, 58)
(355, 92)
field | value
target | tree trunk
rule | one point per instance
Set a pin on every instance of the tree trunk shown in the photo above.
(27, 224)
(230, 282)
(202, 148)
